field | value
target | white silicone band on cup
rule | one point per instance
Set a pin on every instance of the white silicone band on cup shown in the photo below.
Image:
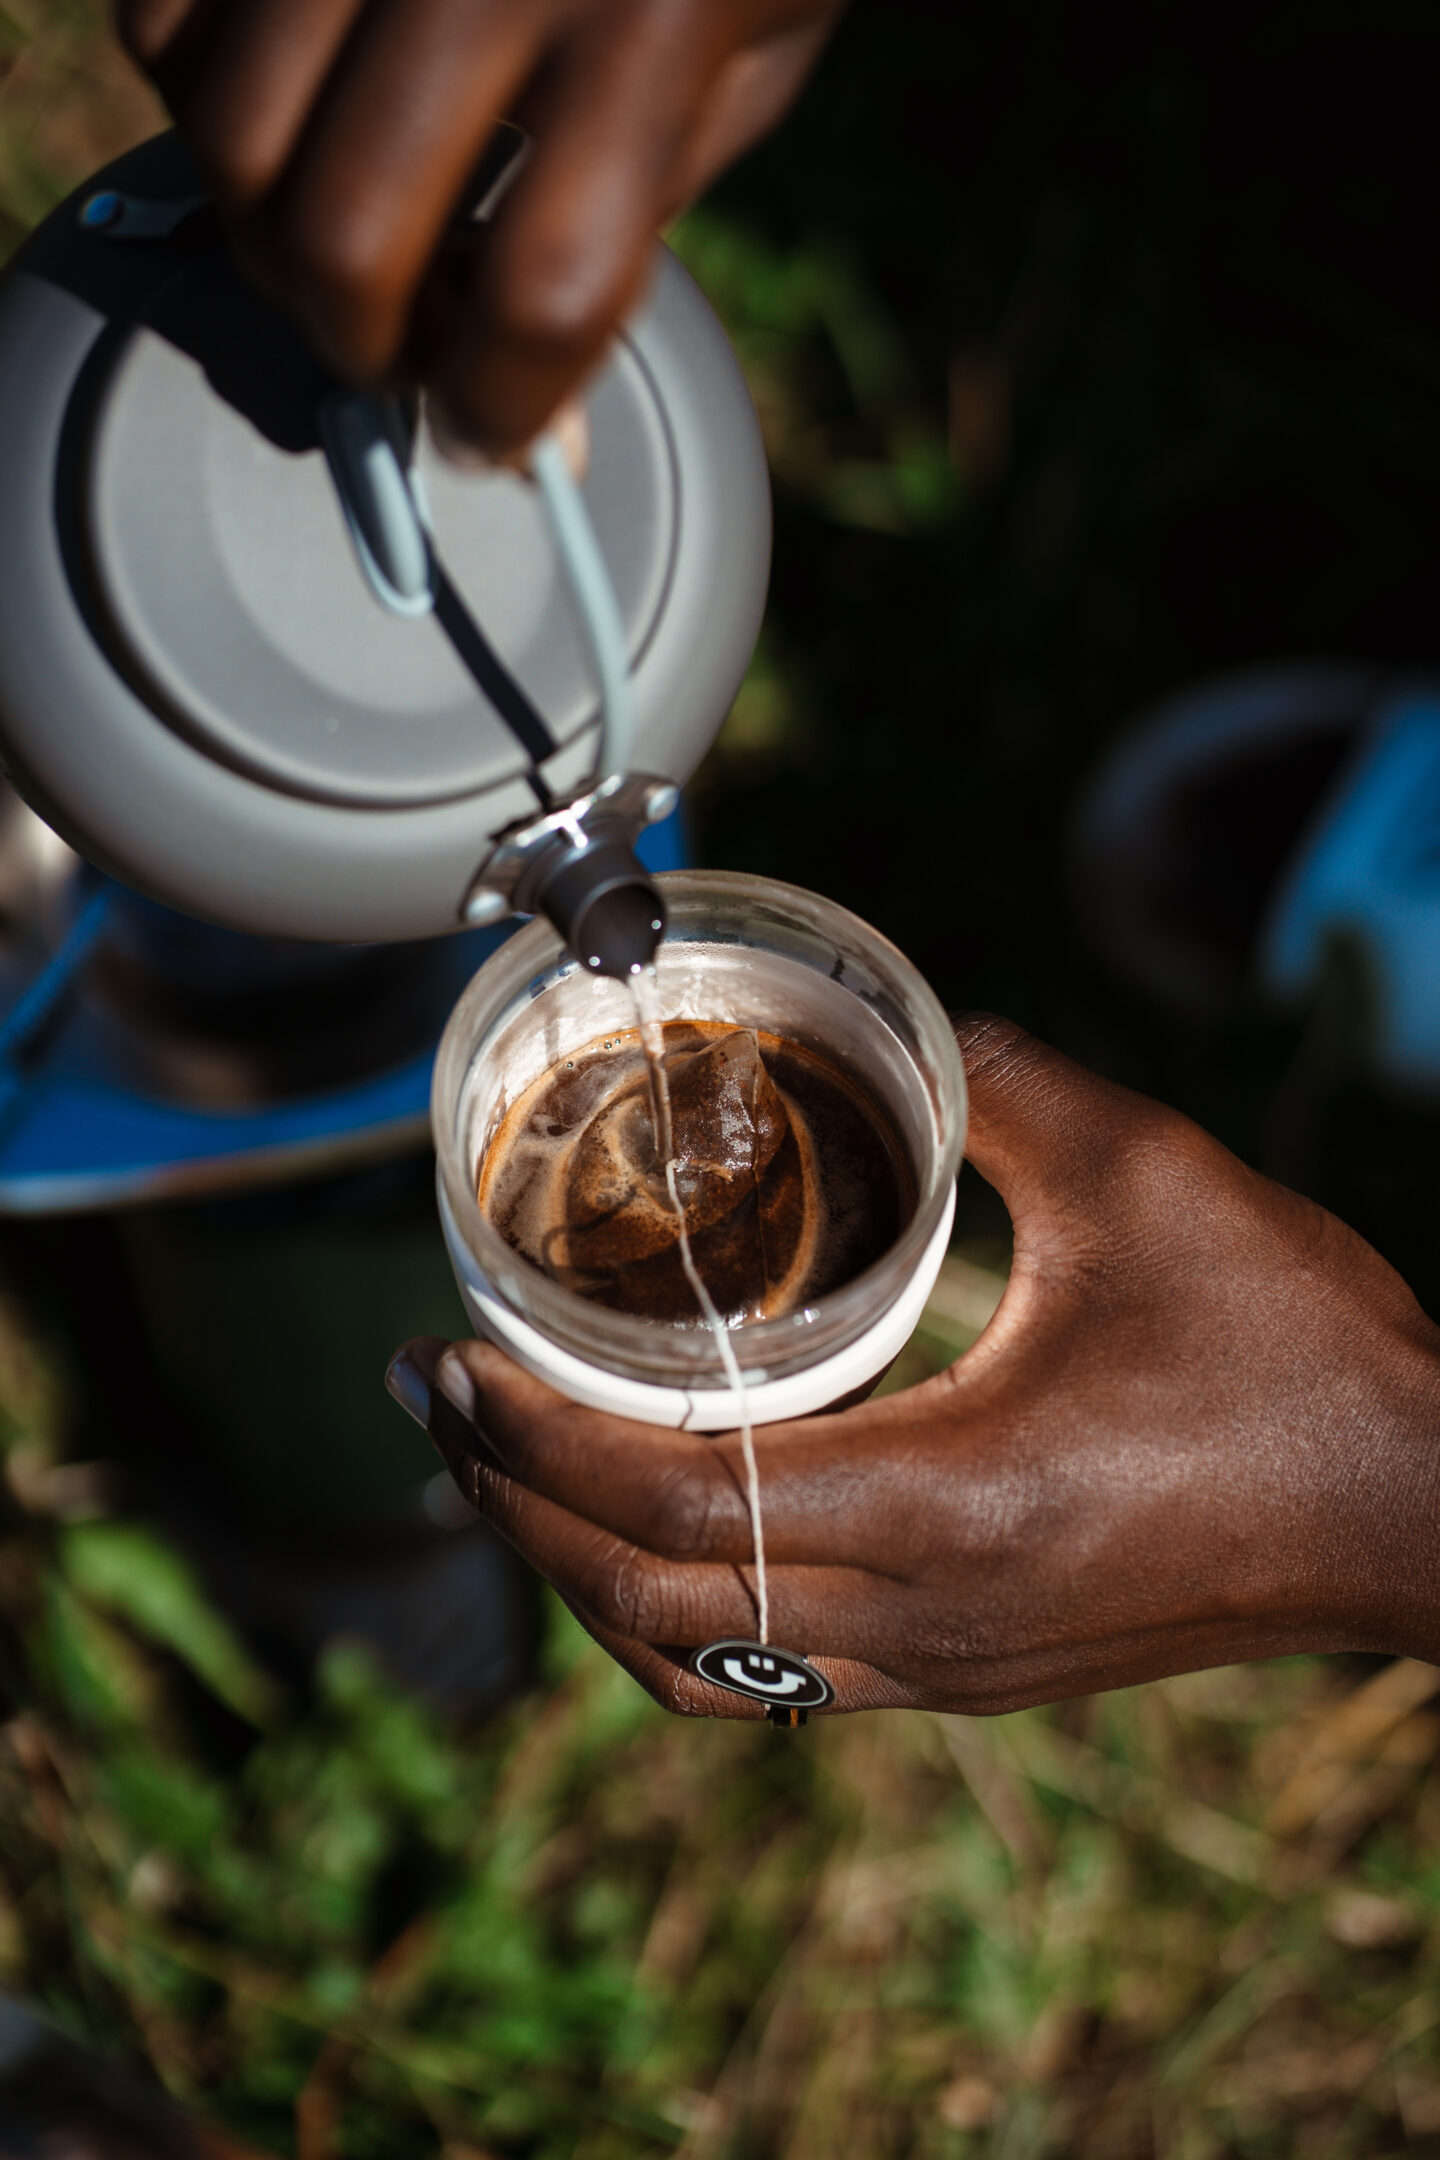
(697, 1409)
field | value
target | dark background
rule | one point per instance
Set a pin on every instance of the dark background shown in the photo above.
(1161, 282)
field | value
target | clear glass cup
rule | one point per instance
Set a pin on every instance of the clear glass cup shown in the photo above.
(753, 953)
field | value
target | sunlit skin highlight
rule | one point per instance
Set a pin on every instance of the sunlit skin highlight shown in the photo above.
(1203, 1427)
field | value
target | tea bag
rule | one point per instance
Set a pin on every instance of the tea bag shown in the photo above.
(741, 1165)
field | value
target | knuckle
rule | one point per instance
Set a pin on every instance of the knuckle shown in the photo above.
(331, 255)
(675, 1691)
(560, 305)
(1148, 1157)
(240, 160)
(338, 262)
(625, 1597)
(144, 27)
(490, 1492)
(1135, 1168)
(985, 1039)
(1008, 1070)
(682, 1522)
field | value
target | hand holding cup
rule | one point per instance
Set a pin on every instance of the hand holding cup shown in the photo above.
(1203, 1426)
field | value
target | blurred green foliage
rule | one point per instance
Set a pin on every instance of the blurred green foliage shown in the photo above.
(1195, 1919)
(68, 100)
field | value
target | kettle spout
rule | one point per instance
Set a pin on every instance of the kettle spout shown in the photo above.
(576, 864)
(606, 907)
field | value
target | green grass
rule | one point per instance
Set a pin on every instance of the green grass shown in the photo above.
(1195, 1919)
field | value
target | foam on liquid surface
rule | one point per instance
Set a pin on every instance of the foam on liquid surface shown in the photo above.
(792, 1184)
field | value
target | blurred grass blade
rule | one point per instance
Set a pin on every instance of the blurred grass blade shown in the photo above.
(126, 1570)
(1189, 1827)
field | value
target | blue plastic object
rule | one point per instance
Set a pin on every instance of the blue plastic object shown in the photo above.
(1369, 871)
(39, 999)
(70, 1145)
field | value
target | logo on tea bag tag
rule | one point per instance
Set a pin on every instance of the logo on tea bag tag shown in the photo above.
(764, 1674)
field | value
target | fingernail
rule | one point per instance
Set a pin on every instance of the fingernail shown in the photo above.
(453, 1379)
(409, 1387)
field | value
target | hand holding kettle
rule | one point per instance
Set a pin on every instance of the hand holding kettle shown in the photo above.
(340, 137)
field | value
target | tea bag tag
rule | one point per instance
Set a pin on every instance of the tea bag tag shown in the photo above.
(789, 1687)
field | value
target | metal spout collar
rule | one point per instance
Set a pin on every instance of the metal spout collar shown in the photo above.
(602, 901)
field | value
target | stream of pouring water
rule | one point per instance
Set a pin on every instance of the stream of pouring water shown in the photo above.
(643, 990)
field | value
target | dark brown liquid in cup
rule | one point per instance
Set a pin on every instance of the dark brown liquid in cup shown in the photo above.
(792, 1177)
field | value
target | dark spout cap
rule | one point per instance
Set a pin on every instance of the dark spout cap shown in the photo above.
(606, 907)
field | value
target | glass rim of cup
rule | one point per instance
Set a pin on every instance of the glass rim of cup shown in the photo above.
(533, 960)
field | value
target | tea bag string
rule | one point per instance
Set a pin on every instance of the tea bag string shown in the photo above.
(595, 603)
(736, 1378)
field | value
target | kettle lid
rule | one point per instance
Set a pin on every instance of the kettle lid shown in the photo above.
(199, 687)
